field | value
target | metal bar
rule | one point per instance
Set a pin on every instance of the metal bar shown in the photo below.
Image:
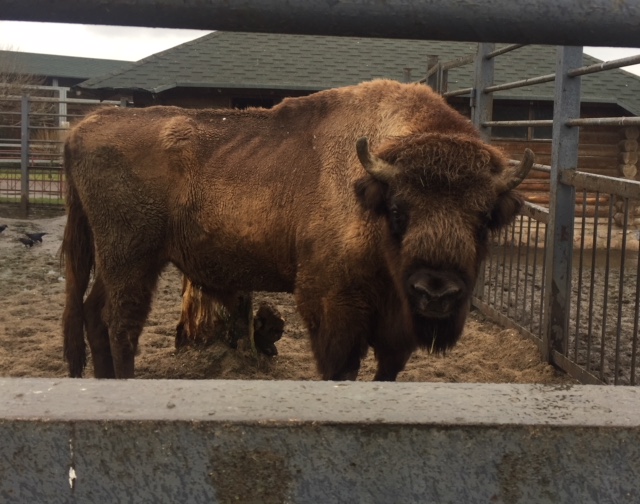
(605, 65)
(517, 288)
(541, 167)
(506, 49)
(24, 156)
(431, 78)
(577, 22)
(636, 315)
(580, 270)
(592, 283)
(601, 183)
(533, 281)
(77, 101)
(504, 267)
(605, 121)
(561, 204)
(464, 60)
(573, 370)
(605, 294)
(524, 122)
(623, 253)
(494, 279)
(443, 80)
(525, 289)
(458, 92)
(481, 102)
(536, 212)
(521, 83)
(511, 252)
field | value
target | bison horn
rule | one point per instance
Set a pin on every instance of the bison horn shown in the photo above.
(376, 167)
(522, 170)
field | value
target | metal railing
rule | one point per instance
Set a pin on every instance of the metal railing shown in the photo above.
(33, 127)
(577, 295)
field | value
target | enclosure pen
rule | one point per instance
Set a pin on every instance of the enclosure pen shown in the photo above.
(221, 441)
(603, 347)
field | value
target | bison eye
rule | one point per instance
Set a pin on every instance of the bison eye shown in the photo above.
(398, 221)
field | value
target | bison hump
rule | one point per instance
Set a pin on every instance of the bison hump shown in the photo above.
(178, 134)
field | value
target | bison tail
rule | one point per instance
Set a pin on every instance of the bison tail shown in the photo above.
(78, 259)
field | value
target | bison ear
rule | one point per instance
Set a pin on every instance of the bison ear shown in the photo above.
(505, 210)
(371, 194)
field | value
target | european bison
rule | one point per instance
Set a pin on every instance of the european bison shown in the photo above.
(371, 203)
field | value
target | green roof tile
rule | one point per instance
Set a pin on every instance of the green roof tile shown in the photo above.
(47, 65)
(309, 63)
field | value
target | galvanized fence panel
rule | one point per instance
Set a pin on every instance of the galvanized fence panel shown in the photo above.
(33, 127)
(571, 284)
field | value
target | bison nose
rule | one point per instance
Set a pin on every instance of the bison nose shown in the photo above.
(435, 293)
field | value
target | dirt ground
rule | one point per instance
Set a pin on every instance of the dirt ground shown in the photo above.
(32, 300)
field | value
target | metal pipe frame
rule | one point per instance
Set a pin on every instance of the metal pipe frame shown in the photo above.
(605, 121)
(524, 122)
(458, 92)
(561, 205)
(568, 22)
(504, 50)
(24, 156)
(521, 83)
(605, 65)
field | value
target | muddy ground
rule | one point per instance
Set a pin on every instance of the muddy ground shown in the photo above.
(32, 299)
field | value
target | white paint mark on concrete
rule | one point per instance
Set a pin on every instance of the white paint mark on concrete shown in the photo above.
(72, 471)
(72, 477)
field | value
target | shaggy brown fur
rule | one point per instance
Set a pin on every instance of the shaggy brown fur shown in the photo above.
(278, 200)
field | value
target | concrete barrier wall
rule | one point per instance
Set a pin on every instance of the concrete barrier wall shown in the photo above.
(89, 441)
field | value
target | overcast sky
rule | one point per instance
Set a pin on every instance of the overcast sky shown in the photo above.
(132, 44)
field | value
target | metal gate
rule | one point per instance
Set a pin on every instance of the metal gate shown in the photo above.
(558, 279)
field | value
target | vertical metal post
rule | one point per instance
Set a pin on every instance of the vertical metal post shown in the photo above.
(564, 156)
(481, 102)
(481, 111)
(432, 80)
(24, 156)
(62, 108)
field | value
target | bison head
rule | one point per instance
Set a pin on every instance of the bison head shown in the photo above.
(440, 196)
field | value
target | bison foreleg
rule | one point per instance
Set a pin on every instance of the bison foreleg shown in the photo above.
(339, 337)
(391, 359)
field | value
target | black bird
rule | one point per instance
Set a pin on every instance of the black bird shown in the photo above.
(3, 227)
(27, 242)
(36, 237)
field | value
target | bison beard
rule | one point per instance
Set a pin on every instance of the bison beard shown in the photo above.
(380, 245)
